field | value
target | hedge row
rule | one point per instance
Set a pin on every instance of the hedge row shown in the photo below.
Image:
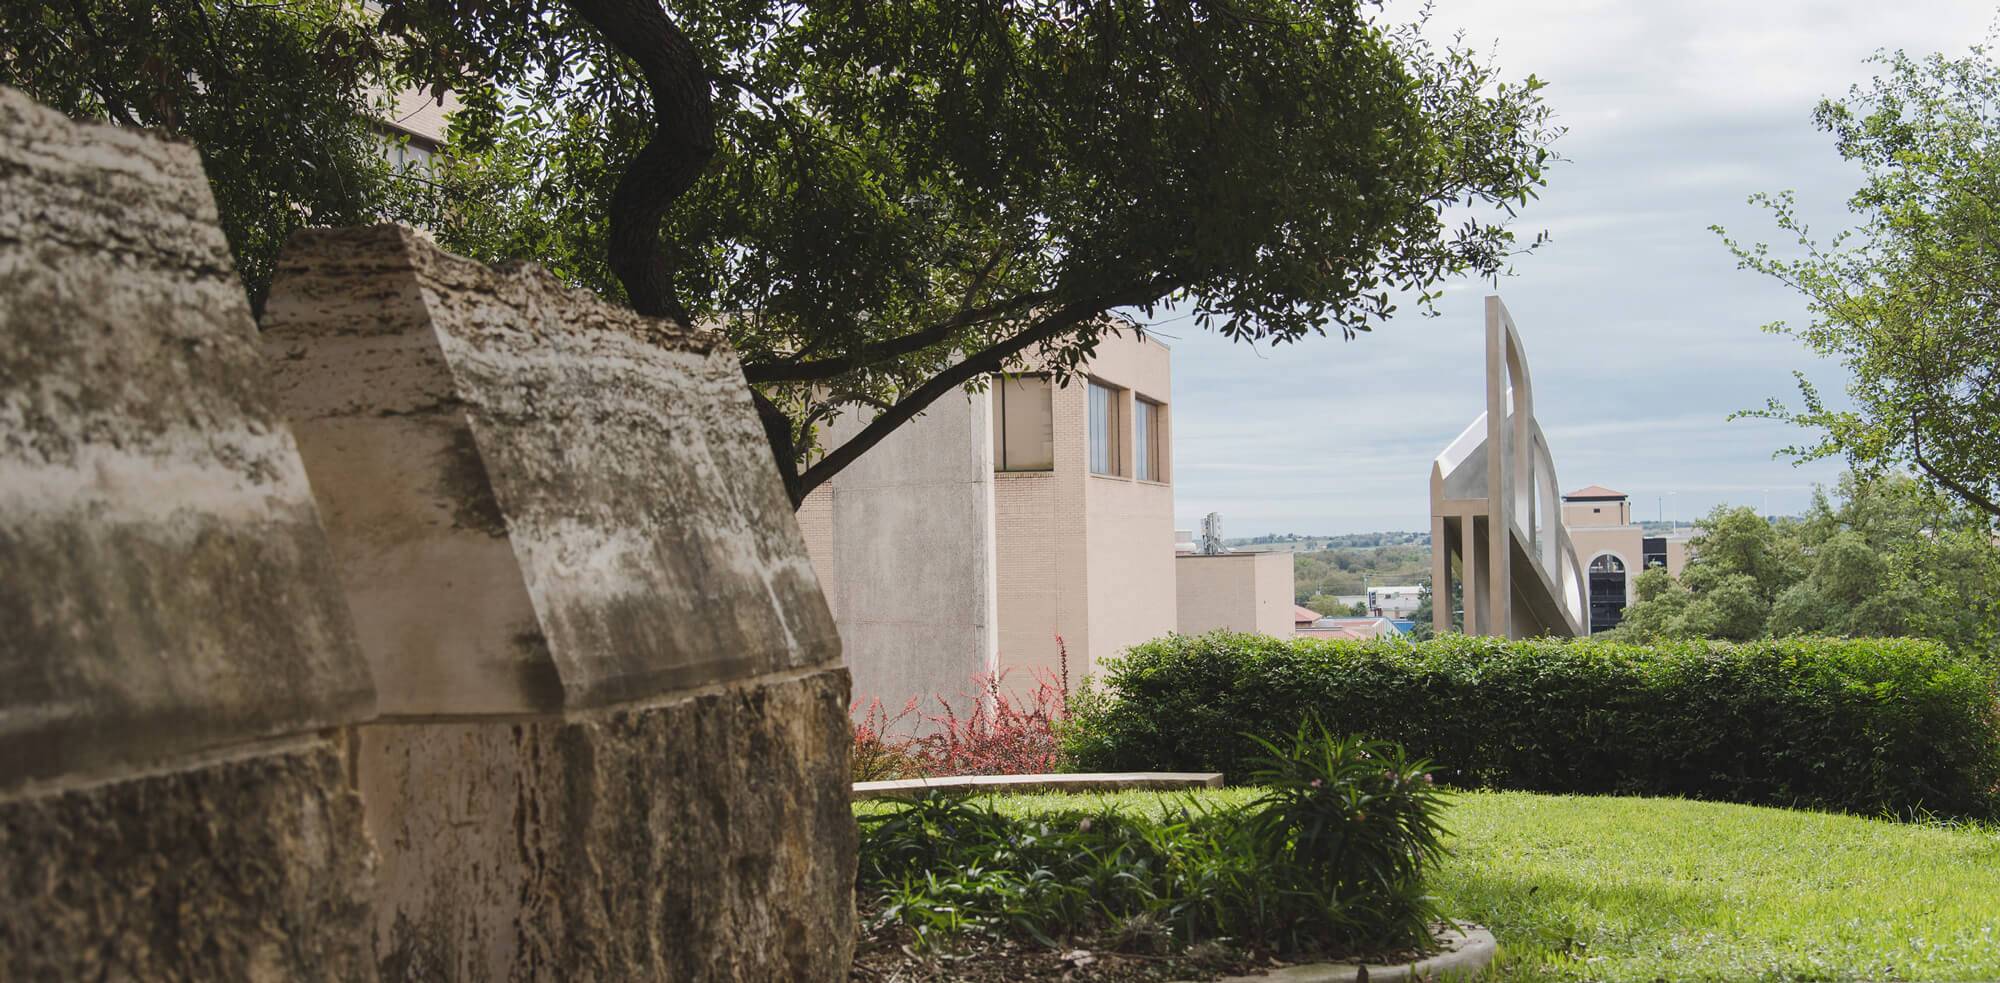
(1865, 725)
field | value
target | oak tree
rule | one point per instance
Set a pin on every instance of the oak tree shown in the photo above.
(883, 204)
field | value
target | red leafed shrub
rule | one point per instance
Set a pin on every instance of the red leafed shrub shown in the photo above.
(879, 754)
(994, 730)
(1001, 733)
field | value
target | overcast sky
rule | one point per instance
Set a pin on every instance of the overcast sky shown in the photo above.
(1641, 334)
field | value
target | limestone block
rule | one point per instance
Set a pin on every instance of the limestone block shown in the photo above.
(539, 501)
(614, 742)
(248, 868)
(708, 837)
(172, 631)
(165, 585)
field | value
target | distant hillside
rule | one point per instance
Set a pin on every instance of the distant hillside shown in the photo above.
(1320, 575)
(1297, 542)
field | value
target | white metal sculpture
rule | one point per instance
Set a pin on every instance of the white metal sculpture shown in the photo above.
(1495, 510)
(1211, 535)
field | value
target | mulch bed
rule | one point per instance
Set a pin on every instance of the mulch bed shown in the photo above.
(889, 955)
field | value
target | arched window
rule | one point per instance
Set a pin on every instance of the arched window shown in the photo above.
(1607, 592)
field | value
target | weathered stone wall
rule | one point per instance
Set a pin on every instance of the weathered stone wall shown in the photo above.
(248, 868)
(172, 636)
(707, 838)
(611, 735)
(614, 733)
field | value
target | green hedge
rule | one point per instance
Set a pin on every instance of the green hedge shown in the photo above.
(1865, 725)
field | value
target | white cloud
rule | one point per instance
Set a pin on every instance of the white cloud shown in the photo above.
(1642, 334)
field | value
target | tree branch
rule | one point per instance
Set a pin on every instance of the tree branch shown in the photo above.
(682, 143)
(883, 351)
(993, 358)
(784, 447)
(1973, 498)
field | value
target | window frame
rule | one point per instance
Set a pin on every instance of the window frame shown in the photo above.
(999, 410)
(1113, 429)
(1149, 441)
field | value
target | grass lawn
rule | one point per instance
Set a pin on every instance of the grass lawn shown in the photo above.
(1589, 888)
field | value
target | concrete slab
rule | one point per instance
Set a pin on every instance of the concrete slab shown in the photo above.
(911, 788)
(1468, 951)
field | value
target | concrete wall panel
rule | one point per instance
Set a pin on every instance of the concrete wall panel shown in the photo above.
(1249, 592)
(903, 540)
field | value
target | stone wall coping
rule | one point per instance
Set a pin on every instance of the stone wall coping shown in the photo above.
(539, 501)
(1101, 781)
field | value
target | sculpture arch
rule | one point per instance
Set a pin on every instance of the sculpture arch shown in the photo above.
(1494, 506)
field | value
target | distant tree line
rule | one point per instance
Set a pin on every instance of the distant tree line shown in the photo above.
(1319, 576)
(1888, 557)
(1354, 540)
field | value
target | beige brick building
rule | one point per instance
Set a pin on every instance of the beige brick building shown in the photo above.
(1086, 536)
(1249, 592)
(978, 534)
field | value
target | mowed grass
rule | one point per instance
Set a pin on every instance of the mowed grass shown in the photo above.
(1604, 888)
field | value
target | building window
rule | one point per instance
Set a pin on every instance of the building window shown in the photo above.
(1105, 456)
(1024, 429)
(1607, 593)
(1148, 441)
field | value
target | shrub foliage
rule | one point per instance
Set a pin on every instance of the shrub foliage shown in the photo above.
(1330, 859)
(1861, 725)
(995, 730)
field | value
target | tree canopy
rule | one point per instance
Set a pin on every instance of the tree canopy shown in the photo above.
(884, 203)
(1909, 300)
(280, 96)
(880, 204)
(1891, 557)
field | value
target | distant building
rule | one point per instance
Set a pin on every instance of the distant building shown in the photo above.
(1394, 602)
(1084, 502)
(1248, 592)
(1360, 629)
(415, 128)
(1303, 617)
(1614, 549)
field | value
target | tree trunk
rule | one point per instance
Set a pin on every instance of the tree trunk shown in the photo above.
(682, 144)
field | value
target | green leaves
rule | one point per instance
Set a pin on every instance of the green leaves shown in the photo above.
(279, 96)
(1891, 557)
(1329, 859)
(901, 186)
(1351, 826)
(1908, 300)
(1794, 721)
